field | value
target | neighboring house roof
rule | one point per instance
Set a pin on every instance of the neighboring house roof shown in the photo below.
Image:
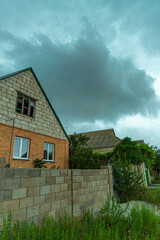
(102, 138)
(139, 141)
(26, 69)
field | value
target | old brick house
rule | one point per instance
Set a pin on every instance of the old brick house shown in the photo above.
(29, 126)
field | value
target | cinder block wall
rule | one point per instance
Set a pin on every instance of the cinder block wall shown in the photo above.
(31, 193)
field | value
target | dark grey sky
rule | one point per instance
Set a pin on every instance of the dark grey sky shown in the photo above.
(98, 61)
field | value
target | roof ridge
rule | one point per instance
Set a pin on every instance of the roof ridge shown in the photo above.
(103, 130)
(14, 73)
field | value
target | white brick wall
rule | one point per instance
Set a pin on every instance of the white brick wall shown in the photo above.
(44, 121)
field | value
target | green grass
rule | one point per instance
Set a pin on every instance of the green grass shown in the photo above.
(150, 196)
(157, 181)
(110, 223)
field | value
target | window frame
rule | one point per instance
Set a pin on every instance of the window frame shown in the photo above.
(30, 99)
(20, 150)
(53, 152)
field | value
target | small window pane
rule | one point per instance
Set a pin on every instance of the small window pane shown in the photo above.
(45, 151)
(31, 109)
(25, 111)
(24, 151)
(26, 102)
(19, 104)
(50, 152)
(16, 147)
(26, 105)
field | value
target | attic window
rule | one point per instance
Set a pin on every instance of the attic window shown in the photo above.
(25, 105)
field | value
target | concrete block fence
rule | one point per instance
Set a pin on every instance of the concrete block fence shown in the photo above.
(29, 193)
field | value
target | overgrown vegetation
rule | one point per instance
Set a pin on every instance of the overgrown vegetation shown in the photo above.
(149, 196)
(148, 156)
(127, 182)
(156, 181)
(157, 162)
(81, 156)
(136, 154)
(110, 223)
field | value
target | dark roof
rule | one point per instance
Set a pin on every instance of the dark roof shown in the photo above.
(102, 138)
(30, 68)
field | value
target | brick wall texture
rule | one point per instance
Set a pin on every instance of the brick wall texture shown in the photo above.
(44, 127)
(36, 147)
(31, 193)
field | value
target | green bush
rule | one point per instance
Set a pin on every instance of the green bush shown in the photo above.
(127, 182)
(148, 155)
(81, 156)
(127, 149)
(136, 154)
(39, 163)
(149, 195)
(157, 159)
(84, 158)
(113, 213)
(156, 181)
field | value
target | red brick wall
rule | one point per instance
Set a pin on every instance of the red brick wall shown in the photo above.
(61, 154)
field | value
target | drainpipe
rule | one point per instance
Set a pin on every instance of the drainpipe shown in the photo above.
(8, 165)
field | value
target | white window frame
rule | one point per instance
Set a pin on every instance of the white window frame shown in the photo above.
(20, 151)
(48, 160)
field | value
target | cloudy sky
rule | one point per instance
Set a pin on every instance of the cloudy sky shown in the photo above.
(97, 60)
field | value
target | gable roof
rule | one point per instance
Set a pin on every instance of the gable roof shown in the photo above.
(30, 68)
(102, 138)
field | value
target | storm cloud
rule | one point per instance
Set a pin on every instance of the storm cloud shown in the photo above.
(98, 61)
(82, 79)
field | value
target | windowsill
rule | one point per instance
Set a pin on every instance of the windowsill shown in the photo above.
(49, 161)
(24, 159)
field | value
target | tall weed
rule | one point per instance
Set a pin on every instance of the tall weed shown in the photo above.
(111, 223)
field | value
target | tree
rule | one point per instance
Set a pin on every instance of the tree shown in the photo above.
(157, 159)
(127, 182)
(84, 158)
(148, 155)
(136, 154)
(80, 155)
(75, 141)
(127, 149)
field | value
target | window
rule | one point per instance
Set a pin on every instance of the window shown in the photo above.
(25, 105)
(48, 152)
(21, 148)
